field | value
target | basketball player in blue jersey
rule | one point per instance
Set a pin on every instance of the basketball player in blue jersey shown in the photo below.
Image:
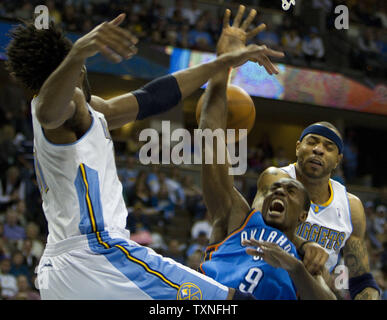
(275, 272)
(89, 254)
(336, 219)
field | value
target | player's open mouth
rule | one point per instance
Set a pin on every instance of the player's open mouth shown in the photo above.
(316, 162)
(277, 207)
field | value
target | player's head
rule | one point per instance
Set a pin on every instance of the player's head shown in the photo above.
(319, 150)
(34, 54)
(286, 205)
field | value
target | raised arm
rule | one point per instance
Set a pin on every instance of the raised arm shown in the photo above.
(56, 103)
(226, 206)
(362, 286)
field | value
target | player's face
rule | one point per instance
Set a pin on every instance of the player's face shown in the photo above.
(317, 156)
(283, 207)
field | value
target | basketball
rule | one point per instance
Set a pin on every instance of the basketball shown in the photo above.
(241, 109)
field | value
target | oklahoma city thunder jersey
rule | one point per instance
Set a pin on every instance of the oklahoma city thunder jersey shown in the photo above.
(228, 262)
(328, 224)
(80, 188)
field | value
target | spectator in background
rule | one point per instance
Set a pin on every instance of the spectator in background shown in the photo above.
(192, 13)
(8, 284)
(18, 265)
(12, 188)
(175, 251)
(30, 259)
(128, 175)
(33, 233)
(141, 192)
(4, 250)
(13, 231)
(199, 38)
(200, 243)
(313, 47)
(269, 38)
(183, 36)
(70, 19)
(292, 44)
(24, 290)
(138, 224)
(200, 226)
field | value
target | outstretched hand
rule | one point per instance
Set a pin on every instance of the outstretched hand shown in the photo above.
(113, 42)
(234, 39)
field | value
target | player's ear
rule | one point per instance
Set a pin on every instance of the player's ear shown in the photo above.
(298, 143)
(303, 216)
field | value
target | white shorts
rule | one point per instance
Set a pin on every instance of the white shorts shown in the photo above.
(107, 265)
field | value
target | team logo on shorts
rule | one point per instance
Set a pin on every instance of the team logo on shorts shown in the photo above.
(189, 291)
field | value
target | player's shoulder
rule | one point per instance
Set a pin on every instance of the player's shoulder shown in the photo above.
(358, 217)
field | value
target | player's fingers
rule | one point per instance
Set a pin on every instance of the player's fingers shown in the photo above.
(124, 45)
(273, 53)
(107, 52)
(124, 51)
(254, 252)
(251, 34)
(239, 15)
(124, 34)
(249, 19)
(226, 18)
(117, 20)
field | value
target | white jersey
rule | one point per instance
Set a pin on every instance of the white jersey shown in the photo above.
(80, 188)
(328, 224)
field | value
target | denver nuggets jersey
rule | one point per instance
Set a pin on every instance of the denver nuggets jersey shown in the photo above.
(80, 188)
(228, 262)
(328, 224)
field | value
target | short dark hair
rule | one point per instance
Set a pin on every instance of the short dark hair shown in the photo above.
(34, 54)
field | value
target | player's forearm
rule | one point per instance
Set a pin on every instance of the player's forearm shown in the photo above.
(193, 78)
(308, 287)
(214, 108)
(55, 95)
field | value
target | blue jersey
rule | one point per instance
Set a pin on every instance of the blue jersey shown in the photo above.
(228, 263)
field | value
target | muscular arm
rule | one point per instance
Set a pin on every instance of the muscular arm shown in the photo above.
(219, 194)
(355, 250)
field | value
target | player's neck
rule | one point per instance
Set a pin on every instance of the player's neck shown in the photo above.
(318, 189)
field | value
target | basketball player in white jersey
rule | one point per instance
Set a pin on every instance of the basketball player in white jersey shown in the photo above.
(89, 254)
(336, 220)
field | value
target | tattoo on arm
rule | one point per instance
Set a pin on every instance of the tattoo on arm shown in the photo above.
(356, 257)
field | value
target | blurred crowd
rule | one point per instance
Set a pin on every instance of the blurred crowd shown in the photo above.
(165, 205)
(187, 24)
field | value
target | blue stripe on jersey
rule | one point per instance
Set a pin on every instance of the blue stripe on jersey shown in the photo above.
(156, 276)
(87, 186)
(228, 262)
